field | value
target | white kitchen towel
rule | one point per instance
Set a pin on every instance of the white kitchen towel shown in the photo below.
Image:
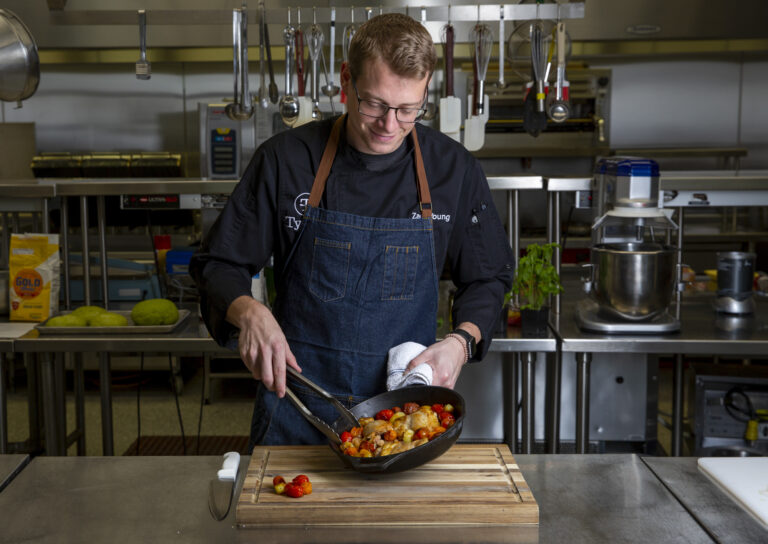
(399, 358)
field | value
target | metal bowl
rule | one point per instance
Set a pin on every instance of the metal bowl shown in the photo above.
(633, 281)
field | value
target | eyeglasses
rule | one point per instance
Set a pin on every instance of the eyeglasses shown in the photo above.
(377, 110)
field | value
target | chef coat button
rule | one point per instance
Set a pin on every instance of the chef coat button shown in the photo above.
(483, 206)
(474, 219)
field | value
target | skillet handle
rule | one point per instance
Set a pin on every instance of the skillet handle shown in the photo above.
(346, 414)
(321, 425)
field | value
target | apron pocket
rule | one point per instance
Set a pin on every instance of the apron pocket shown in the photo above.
(400, 265)
(330, 266)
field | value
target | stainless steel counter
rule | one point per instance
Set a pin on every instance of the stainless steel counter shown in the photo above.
(10, 466)
(50, 187)
(595, 498)
(702, 331)
(604, 498)
(189, 337)
(721, 516)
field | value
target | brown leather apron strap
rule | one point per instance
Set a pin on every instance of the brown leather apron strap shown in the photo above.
(318, 186)
(425, 199)
(329, 154)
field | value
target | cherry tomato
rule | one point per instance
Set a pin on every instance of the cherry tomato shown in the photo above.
(306, 487)
(278, 480)
(365, 445)
(447, 420)
(410, 407)
(438, 408)
(346, 436)
(300, 479)
(396, 409)
(294, 491)
(351, 451)
(422, 433)
(385, 415)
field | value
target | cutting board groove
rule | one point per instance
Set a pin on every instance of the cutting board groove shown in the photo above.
(468, 485)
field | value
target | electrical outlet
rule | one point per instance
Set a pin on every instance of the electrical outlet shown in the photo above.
(762, 431)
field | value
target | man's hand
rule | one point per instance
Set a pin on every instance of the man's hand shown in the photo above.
(263, 346)
(445, 357)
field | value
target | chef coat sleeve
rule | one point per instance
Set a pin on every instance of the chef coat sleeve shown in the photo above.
(480, 258)
(237, 246)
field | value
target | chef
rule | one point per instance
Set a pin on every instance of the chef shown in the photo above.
(361, 214)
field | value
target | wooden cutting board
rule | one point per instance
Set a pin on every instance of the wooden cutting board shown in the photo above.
(468, 485)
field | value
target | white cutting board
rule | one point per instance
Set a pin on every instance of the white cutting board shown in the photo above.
(745, 478)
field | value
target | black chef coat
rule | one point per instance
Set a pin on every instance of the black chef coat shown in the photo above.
(263, 216)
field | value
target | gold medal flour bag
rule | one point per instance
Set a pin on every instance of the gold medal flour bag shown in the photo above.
(34, 276)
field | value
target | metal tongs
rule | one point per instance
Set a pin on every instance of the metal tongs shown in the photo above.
(321, 425)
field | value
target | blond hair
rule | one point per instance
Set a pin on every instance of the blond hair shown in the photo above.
(396, 39)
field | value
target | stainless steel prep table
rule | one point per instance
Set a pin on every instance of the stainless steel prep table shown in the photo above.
(596, 498)
(702, 332)
(10, 466)
(190, 337)
(721, 516)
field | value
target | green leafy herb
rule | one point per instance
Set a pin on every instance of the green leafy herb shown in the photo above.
(536, 277)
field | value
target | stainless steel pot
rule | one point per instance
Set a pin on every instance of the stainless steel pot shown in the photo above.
(19, 61)
(633, 281)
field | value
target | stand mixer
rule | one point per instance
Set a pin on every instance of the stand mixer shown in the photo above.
(633, 276)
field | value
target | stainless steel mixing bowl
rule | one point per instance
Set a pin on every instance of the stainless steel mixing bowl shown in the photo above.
(633, 281)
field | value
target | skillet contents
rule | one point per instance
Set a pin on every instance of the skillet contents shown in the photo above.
(397, 430)
(298, 487)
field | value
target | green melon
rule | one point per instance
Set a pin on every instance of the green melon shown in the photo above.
(155, 311)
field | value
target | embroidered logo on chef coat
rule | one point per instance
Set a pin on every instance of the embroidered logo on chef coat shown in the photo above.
(300, 205)
(435, 216)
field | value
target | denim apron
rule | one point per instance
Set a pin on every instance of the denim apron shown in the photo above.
(355, 286)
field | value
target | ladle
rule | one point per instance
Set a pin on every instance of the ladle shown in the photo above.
(559, 109)
(316, 40)
(288, 105)
(331, 89)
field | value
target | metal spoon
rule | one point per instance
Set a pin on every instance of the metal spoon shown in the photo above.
(559, 109)
(288, 105)
(330, 89)
(316, 39)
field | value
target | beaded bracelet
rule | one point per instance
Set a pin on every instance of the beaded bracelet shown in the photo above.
(462, 342)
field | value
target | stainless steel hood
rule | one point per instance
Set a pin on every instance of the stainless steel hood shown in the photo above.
(59, 24)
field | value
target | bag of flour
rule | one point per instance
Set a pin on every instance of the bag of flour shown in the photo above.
(33, 276)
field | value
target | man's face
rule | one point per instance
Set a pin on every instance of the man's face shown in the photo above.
(377, 83)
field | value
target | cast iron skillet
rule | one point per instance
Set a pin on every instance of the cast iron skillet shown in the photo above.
(421, 394)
